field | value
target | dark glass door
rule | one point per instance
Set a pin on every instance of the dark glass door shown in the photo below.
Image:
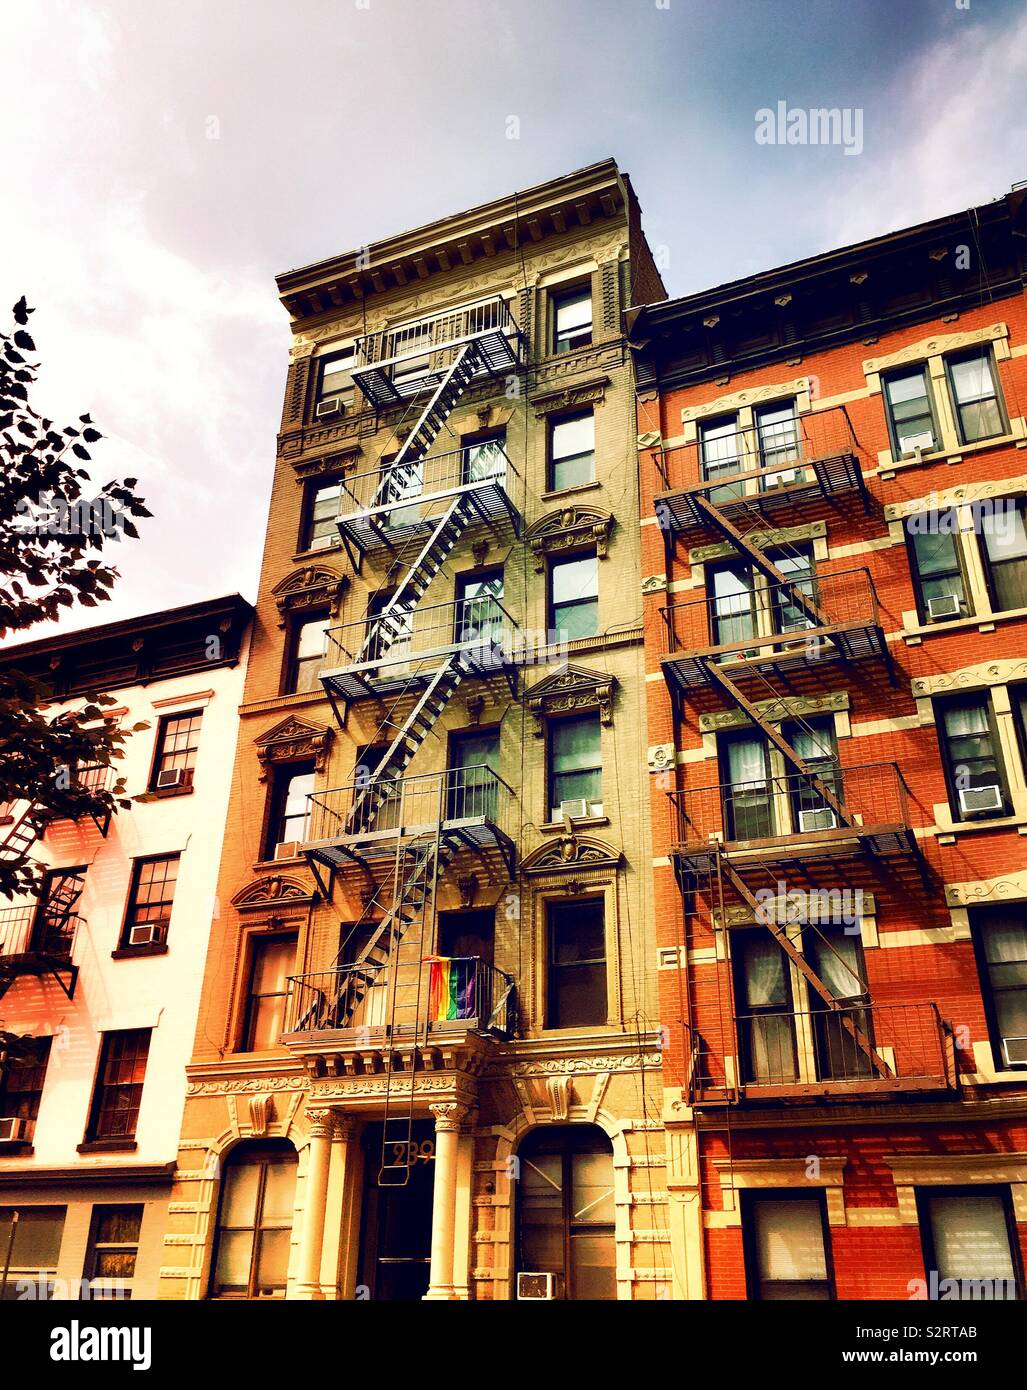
(396, 1236)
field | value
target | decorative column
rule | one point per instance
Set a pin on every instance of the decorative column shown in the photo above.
(341, 1201)
(464, 1220)
(322, 1127)
(449, 1116)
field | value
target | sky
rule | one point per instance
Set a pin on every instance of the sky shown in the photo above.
(172, 156)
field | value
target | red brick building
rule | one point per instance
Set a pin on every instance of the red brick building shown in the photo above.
(833, 466)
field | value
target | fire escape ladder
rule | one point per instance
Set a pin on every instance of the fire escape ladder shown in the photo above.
(436, 412)
(800, 962)
(717, 676)
(23, 834)
(761, 561)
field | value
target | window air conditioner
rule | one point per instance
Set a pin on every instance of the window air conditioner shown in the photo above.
(287, 849)
(330, 408)
(944, 606)
(915, 446)
(782, 477)
(1015, 1051)
(12, 1129)
(976, 799)
(536, 1287)
(148, 934)
(822, 818)
(170, 777)
(579, 809)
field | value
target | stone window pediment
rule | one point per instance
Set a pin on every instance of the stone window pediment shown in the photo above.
(569, 528)
(308, 589)
(569, 691)
(572, 854)
(273, 893)
(292, 740)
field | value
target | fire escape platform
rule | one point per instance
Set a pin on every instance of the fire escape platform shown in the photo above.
(496, 348)
(819, 846)
(478, 835)
(389, 524)
(826, 479)
(777, 654)
(38, 963)
(374, 679)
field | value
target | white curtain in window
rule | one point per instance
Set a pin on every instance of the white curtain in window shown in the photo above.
(790, 1240)
(747, 764)
(971, 1239)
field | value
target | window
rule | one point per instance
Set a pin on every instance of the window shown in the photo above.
(35, 1250)
(113, 1248)
(565, 1215)
(389, 636)
(321, 505)
(748, 800)
(575, 765)
(306, 655)
(572, 451)
(1005, 553)
(935, 562)
(969, 1239)
(910, 412)
(178, 738)
(258, 1192)
(572, 318)
(1000, 941)
(721, 446)
(53, 929)
(766, 1021)
(814, 741)
(479, 608)
(798, 568)
(22, 1075)
(574, 597)
(778, 435)
(577, 964)
(290, 809)
(970, 753)
(732, 604)
(473, 762)
(150, 901)
(271, 963)
(842, 1038)
(787, 1249)
(336, 383)
(119, 1085)
(484, 459)
(975, 395)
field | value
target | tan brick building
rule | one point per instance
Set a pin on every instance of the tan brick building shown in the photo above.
(428, 1056)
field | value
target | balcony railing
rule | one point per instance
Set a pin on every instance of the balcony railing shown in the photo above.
(801, 457)
(473, 801)
(431, 996)
(401, 360)
(766, 810)
(824, 1051)
(394, 646)
(766, 628)
(26, 931)
(391, 503)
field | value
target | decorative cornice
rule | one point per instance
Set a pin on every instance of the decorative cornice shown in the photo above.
(953, 496)
(750, 396)
(934, 346)
(970, 677)
(276, 890)
(783, 707)
(572, 689)
(814, 530)
(292, 740)
(570, 528)
(571, 397)
(571, 853)
(315, 586)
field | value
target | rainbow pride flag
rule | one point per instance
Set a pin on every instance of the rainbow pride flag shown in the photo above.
(450, 988)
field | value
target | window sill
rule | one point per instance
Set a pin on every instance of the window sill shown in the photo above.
(561, 492)
(262, 865)
(984, 622)
(104, 1146)
(976, 827)
(162, 794)
(318, 550)
(20, 1148)
(889, 466)
(130, 952)
(555, 827)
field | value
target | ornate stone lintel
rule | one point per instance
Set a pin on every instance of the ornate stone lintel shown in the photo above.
(292, 740)
(571, 528)
(314, 587)
(573, 688)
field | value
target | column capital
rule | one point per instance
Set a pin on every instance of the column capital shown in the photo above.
(322, 1123)
(449, 1116)
(345, 1126)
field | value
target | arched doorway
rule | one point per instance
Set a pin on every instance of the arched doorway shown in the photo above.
(565, 1210)
(255, 1210)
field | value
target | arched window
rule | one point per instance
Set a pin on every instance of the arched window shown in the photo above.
(565, 1216)
(258, 1187)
